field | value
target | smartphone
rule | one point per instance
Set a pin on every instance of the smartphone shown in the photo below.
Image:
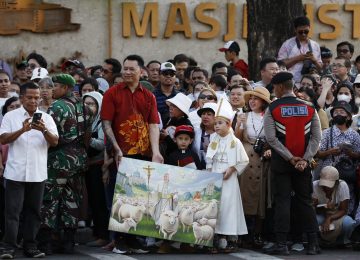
(36, 118)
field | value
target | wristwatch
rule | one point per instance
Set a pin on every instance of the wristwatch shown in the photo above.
(45, 131)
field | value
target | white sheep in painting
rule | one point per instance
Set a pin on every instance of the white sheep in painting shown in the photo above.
(126, 225)
(187, 218)
(115, 208)
(202, 234)
(210, 211)
(210, 222)
(130, 211)
(169, 224)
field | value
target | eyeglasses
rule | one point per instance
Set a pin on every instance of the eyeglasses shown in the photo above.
(168, 73)
(306, 32)
(4, 81)
(106, 71)
(208, 97)
(337, 65)
(342, 50)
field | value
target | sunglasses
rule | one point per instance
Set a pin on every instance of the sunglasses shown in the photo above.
(342, 50)
(168, 73)
(106, 71)
(208, 97)
(4, 81)
(303, 32)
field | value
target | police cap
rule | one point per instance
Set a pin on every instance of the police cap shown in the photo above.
(281, 77)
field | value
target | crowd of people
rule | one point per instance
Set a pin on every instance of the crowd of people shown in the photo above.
(288, 146)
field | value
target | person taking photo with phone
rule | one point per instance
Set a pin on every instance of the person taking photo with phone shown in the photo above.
(300, 53)
(26, 169)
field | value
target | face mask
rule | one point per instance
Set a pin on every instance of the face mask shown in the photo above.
(339, 120)
(196, 95)
(344, 97)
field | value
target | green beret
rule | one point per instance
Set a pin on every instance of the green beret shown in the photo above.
(281, 77)
(65, 79)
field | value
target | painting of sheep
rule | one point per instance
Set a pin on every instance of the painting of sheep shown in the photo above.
(157, 200)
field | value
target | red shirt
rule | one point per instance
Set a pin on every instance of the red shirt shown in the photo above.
(130, 114)
(242, 68)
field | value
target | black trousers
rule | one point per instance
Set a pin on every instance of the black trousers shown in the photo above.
(288, 181)
(2, 208)
(97, 202)
(26, 196)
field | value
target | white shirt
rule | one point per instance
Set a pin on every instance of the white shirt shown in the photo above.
(255, 125)
(290, 49)
(27, 158)
(341, 194)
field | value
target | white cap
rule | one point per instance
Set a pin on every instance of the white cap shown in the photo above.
(208, 106)
(225, 110)
(182, 102)
(167, 66)
(103, 84)
(39, 73)
(328, 176)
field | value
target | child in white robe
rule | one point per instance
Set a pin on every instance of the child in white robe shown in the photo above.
(227, 155)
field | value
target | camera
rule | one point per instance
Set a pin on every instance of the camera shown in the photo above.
(259, 146)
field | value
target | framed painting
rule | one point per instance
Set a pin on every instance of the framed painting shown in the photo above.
(166, 202)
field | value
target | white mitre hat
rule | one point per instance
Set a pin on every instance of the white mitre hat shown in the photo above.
(225, 110)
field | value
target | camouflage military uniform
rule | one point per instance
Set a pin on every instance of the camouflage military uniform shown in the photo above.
(66, 163)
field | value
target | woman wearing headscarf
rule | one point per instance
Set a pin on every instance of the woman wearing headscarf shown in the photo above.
(93, 177)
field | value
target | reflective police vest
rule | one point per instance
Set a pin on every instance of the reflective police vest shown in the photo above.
(292, 118)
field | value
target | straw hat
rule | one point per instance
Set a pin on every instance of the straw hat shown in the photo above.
(259, 92)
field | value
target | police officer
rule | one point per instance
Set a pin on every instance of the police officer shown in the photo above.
(292, 129)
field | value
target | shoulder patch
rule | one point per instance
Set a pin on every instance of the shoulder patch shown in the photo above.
(288, 111)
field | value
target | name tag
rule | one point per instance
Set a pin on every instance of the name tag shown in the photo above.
(288, 111)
